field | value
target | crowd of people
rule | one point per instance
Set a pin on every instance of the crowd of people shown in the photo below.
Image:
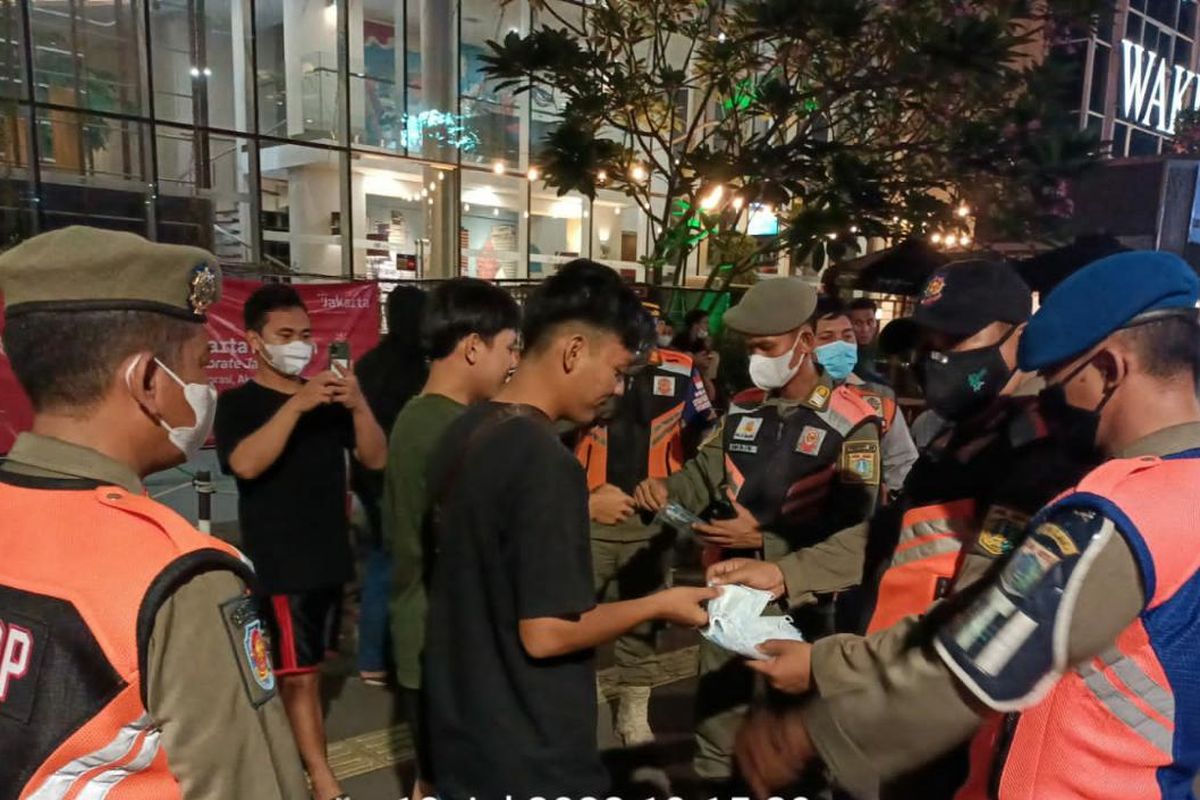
(1000, 602)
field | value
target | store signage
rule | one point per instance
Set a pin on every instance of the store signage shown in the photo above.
(1154, 90)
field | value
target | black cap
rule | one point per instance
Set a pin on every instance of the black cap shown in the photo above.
(961, 299)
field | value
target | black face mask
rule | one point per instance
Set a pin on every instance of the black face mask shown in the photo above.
(1072, 427)
(960, 385)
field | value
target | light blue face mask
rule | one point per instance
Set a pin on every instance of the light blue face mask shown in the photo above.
(838, 358)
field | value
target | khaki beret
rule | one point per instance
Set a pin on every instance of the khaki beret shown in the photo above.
(773, 306)
(90, 269)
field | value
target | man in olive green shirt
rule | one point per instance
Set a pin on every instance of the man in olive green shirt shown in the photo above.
(469, 331)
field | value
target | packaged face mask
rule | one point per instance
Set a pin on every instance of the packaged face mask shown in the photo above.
(735, 622)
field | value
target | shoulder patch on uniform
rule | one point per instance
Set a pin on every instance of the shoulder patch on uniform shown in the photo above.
(251, 647)
(860, 462)
(664, 386)
(875, 402)
(1009, 645)
(1003, 529)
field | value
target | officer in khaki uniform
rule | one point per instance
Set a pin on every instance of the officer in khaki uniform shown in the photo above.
(664, 407)
(791, 471)
(134, 663)
(1071, 666)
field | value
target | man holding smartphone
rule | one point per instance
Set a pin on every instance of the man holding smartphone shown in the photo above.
(284, 439)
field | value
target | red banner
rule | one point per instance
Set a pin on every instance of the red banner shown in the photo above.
(347, 311)
(16, 414)
(338, 311)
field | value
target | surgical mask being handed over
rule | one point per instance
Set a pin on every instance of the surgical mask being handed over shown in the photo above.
(290, 358)
(837, 358)
(769, 373)
(202, 398)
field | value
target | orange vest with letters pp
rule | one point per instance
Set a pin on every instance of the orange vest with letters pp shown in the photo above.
(83, 573)
(1126, 723)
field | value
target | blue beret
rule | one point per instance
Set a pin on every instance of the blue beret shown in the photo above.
(1102, 298)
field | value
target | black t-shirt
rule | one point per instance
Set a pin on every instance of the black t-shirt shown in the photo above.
(511, 544)
(293, 516)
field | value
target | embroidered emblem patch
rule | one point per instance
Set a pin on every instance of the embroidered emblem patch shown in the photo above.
(664, 386)
(747, 429)
(810, 440)
(933, 290)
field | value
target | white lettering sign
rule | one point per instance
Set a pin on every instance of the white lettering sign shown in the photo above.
(1153, 92)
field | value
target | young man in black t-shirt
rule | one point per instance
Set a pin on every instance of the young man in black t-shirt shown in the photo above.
(509, 679)
(285, 440)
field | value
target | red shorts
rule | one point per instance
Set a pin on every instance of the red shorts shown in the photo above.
(301, 626)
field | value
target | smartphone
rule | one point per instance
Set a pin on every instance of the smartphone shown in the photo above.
(339, 357)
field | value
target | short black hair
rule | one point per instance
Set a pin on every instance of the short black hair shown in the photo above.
(586, 292)
(268, 298)
(1168, 346)
(694, 316)
(863, 304)
(66, 359)
(828, 307)
(462, 306)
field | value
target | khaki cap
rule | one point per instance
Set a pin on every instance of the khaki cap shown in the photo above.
(773, 306)
(90, 269)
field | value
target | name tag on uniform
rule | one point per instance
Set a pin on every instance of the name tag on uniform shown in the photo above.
(664, 386)
(747, 429)
(736, 447)
(810, 440)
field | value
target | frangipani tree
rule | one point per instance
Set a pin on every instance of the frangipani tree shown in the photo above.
(843, 118)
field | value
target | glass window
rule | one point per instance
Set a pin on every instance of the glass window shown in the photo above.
(302, 207)
(1187, 18)
(1142, 143)
(1162, 10)
(297, 69)
(558, 229)
(204, 194)
(1099, 78)
(433, 127)
(1183, 53)
(390, 231)
(493, 208)
(16, 192)
(616, 223)
(494, 117)
(85, 55)
(12, 52)
(1133, 28)
(201, 62)
(377, 77)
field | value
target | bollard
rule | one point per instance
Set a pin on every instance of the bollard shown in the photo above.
(204, 494)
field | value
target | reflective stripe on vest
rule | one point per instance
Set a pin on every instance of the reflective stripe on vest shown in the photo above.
(1150, 726)
(105, 744)
(1123, 724)
(104, 763)
(928, 551)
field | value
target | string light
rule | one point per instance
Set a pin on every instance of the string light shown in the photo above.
(533, 174)
(936, 238)
(738, 202)
(601, 176)
(498, 167)
(638, 173)
(963, 211)
(709, 201)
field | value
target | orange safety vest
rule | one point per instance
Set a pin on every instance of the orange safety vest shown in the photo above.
(83, 573)
(879, 398)
(1126, 724)
(926, 559)
(669, 388)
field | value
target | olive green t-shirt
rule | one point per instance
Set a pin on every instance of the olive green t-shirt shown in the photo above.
(405, 500)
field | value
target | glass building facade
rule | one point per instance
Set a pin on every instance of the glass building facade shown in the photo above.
(1133, 77)
(355, 138)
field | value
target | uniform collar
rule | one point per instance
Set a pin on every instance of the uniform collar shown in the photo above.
(818, 399)
(1174, 439)
(47, 457)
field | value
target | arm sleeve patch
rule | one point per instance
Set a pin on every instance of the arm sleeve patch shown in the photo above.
(1009, 646)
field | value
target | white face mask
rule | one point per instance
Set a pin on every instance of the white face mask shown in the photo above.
(769, 373)
(664, 340)
(202, 398)
(290, 358)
